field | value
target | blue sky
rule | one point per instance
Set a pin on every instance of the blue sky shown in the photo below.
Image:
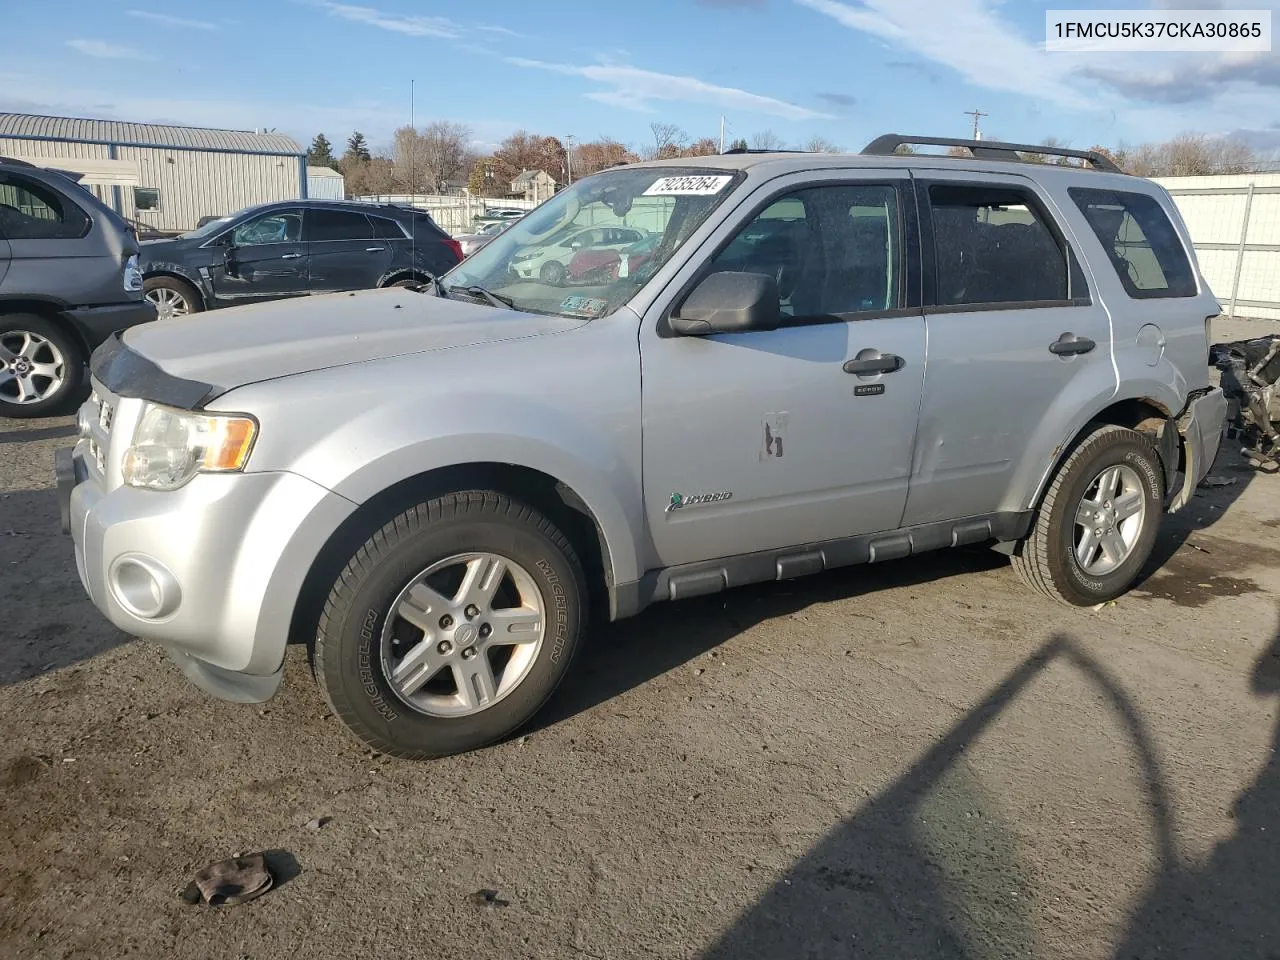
(846, 70)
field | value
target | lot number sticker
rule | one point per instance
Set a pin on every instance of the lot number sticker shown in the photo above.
(687, 186)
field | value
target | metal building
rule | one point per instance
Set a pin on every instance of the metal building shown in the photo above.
(325, 183)
(166, 177)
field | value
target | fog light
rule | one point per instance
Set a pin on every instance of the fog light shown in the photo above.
(144, 587)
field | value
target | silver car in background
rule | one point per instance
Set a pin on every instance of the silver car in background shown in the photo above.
(471, 242)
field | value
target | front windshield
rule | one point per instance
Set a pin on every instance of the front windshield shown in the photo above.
(591, 247)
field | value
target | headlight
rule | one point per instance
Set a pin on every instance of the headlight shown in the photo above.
(171, 446)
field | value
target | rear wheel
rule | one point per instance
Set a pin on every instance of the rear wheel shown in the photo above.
(41, 367)
(451, 625)
(172, 297)
(1098, 522)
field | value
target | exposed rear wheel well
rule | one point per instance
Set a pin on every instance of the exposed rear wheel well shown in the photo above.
(400, 276)
(556, 501)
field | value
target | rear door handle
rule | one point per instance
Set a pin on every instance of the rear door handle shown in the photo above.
(291, 256)
(374, 249)
(884, 363)
(1068, 345)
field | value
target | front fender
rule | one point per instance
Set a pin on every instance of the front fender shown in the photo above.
(576, 455)
(155, 268)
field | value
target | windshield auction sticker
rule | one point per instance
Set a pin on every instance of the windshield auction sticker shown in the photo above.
(584, 306)
(687, 186)
(1181, 30)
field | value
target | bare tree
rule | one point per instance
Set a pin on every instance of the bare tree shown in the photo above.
(446, 151)
(596, 155)
(668, 141)
(767, 140)
(817, 144)
(702, 147)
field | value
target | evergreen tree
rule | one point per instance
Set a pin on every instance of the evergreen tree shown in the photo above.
(357, 148)
(321, 153)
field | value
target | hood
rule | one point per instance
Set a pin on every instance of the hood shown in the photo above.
(232, 347)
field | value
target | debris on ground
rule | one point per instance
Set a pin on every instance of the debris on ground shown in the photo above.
(1098, 606)
(230, 882)
(318, 822)
(1212, 481)
(487, 898)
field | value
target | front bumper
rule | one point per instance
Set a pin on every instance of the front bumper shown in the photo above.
(97, 323)
(1200, 426)
(211, 571)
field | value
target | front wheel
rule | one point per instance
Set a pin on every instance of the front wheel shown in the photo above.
(451, 625)
(1096, 527)
(171, 297)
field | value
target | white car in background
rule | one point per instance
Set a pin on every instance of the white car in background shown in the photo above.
(549, 262)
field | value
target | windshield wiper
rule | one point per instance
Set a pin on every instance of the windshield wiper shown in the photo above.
(491, 298)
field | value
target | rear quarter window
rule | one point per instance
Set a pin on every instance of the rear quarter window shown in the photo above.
(1139, 240)
(29, 210)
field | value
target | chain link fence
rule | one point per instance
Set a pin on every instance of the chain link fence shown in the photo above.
(1234, 223)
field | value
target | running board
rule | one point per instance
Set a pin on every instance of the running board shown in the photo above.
(712, 576)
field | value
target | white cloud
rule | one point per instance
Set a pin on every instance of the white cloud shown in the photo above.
(968, 37)
(413, 26)
(168, 20)
(633, 89)
(104, 50)
(503, 31)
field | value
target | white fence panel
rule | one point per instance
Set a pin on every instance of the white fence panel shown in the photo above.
(454, 215)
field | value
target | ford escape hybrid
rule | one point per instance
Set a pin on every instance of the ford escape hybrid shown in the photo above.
(826, 360)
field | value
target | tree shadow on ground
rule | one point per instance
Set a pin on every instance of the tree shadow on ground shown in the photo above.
(926, 869)
(1228, 906)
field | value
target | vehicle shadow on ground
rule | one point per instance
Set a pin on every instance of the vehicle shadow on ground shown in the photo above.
(1229, 905)
(927, 869)
(46, 621)
(620, 656)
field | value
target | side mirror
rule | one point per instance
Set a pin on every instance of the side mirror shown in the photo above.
(229, 265)
(729, 303)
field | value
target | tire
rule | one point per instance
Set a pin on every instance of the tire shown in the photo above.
(1050, 558)
(42, 367)
(405, 283)
(553, 272)
(361, 648)
(172, 297)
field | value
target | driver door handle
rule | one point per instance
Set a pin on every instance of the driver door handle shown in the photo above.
(374, 249)
(885, 363)
(1069, 345)
(291, 256)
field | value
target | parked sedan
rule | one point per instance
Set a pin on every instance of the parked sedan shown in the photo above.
(548, 262)
(294, 248)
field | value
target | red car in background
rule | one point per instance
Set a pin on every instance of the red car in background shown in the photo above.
(602, 265)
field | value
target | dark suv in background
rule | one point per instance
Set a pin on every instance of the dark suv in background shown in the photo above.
(69, 278)
(293, 248)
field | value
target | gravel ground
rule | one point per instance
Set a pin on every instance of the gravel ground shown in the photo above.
(914, 760)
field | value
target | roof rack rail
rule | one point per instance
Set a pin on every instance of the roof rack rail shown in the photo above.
(888, 144)
(757, 150)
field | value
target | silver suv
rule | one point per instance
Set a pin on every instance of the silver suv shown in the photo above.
(820, 361)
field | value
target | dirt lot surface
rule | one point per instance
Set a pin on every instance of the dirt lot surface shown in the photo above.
(920, 759)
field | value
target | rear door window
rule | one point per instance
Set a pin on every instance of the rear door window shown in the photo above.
(326, 225)
(1140, 241)
(993, 245)
(31, 211)
(385, 229)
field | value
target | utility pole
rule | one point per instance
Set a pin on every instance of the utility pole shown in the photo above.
(976, 114)
(568, 159)
(722, 133)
